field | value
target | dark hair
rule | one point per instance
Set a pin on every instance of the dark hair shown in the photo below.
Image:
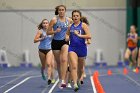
(84, 19)
(77, 11)
(40, 25)
(57, 7)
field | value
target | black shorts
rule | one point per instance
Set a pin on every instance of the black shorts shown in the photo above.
(57, 44)
(44, 51)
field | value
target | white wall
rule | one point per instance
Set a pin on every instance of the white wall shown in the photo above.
(50, 4)
(18, 29)
(108, 34)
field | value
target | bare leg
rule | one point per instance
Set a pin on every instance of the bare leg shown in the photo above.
(49, 57)
(74, 67)
(57, 58)
(134, 55)
(64, 63)
(81, 61)
(43, 64)
(127, 55)
(139, 58)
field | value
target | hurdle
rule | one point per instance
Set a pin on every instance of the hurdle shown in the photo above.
(26, 59)
(121, 58)
(3, 59)
(99, 59)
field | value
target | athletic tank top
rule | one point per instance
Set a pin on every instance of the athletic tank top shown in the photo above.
(74, 39)
(64, 27)
(130, 42)
(46, 43)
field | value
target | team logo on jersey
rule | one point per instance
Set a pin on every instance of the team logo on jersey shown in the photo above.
(79, 31)
(62, 25)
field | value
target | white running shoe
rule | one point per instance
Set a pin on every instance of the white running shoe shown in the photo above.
(69, 85)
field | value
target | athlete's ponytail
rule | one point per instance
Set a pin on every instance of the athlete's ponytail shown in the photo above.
(84, 19)
(56, 10)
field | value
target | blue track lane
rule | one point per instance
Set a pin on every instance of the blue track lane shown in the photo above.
(116, 83)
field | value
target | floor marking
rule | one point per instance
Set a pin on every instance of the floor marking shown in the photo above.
(17, 84)
(50, 91)
(107, 74)
(93, 85)
(36, 76)
(52, 88)
(92, 82)
(9, 76)
(132, 80)
(15, 79)
(127, 76)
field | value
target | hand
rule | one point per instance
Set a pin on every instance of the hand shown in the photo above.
(88, 42)
(67, 38)
(58, 29)
(43, 37)
(76, 32)
(130, 38)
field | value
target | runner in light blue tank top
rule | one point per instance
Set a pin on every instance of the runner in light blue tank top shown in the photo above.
(64, 26)
(45, 43)
(58, 27)
(45, 52)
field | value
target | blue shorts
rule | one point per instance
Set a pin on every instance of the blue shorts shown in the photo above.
(80, 51)
(131, 48)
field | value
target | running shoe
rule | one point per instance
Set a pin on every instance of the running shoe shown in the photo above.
(76, 88)
(82, 82)
(49, 81)
(53, 81)
(63, 85)
(69, 85)
(59, 85)
(79, 84)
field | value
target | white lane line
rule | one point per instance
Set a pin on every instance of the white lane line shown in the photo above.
(36, 76)
(93, 85)
(9, 76)
(21, 82)
(132, 80)
(92, 82)
(17, 84)
(108, 75)
(127, 76)
(51, 90)
(22, 75)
